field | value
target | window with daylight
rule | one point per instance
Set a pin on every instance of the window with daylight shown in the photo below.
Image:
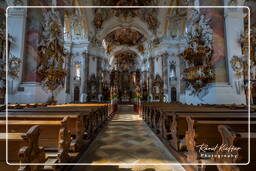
(77, 71)
(172, 71)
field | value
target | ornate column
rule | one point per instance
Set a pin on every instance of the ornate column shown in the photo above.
(99, 76)
(28, 37)
(234, 24)
(150, 77)
(84, 79)
(165, 76)
(68, 79)
(16, 21)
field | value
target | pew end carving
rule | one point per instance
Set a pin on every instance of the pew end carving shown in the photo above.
(190, 140)
(64, 142)
(228, 138)
(31, 152)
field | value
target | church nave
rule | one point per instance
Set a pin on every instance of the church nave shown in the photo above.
(127, 140)
(125, 85)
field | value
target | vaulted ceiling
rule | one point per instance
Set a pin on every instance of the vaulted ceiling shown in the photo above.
(138, 30)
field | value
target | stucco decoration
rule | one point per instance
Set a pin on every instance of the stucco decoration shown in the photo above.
(51, 53)
(237, 66)
(199, 70)
(148, 15)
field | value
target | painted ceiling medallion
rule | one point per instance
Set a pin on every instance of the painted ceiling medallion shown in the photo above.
(125, 36)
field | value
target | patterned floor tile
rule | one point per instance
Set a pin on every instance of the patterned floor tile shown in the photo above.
(127, 139)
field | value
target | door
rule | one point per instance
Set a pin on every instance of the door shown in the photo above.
(76, 94)
(173, 94)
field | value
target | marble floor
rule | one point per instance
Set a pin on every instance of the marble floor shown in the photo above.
(127, 140)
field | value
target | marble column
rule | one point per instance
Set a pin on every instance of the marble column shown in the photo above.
(234, 22)
(68, 78)
(17, 21)
(99, 71)
(165, 75)
(84, 79)
(29, 90)
(151, 77)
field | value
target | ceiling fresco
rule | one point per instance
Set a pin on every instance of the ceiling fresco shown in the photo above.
(125, 36)
(149, 15)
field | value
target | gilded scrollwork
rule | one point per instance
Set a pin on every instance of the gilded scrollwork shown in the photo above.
(52, 53)
(148, 15)
(237, 66)
(199, 70)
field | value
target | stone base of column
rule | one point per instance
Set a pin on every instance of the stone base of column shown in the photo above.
(68, 98)
(83, 98)
(166, 98)
(100, 98)
(150, 98)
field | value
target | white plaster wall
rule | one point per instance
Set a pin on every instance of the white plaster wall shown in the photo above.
(219, 93)
(61, 96)
(33, 93)
(158, 66)
(92, 65)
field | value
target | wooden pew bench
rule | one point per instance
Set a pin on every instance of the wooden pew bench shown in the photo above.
(77, 125)
(22, 106)
(48, 129)
(235, 137)
(93, 119)
(85, 122)
(196, 130)
(52, 135)
(15, 142)
(182, 127)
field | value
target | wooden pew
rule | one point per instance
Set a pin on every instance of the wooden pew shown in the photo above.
(14, 141)
(31, 152)
(233, 137)
(179, 125)
(94, 117)
(22, 106)
(78, 124)
(54, 137)
(84, 122)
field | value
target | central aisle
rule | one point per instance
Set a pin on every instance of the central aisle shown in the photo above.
(127, 139)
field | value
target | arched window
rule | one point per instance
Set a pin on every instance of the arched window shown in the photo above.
(172, 74)
(77, 71)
